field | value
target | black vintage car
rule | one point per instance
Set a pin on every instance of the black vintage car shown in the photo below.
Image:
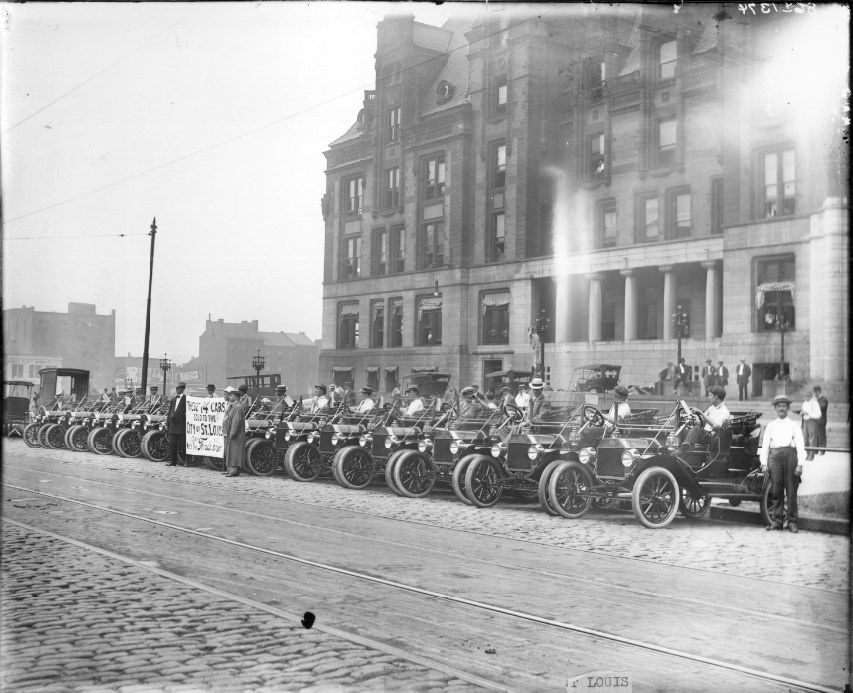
(16, 406)
(596, 377)
(650, 465)
(263, 457)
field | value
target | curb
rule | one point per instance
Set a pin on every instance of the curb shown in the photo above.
(826, 525)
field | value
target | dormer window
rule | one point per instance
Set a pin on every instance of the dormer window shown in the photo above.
(444, 91)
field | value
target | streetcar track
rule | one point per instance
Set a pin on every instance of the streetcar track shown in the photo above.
(761, 580)
(560, 625)
(280, 613)
(444, 552)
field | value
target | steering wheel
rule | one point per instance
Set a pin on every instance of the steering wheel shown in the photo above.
(514, 414)
(684, 417)
(592, 416)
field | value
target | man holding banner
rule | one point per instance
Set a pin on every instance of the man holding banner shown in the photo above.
(177, 425)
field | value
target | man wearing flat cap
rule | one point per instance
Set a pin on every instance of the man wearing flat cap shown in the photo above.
(415, 405)
(367, 402)
(319, 402)
(782, 453)
(177, 425)
(469, 406)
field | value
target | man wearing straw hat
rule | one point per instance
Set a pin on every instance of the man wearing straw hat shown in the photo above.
(782, 453)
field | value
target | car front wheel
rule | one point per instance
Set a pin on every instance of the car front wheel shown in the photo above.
(413, 475)
(694, 505)
(656, 497)
(483, 482)
(569, 490)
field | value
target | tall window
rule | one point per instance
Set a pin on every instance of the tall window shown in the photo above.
(431, 245)
(717, 206)
(678, 221)
(354, 195)
(667, 141)
(606, 223)
(595, 77)
(498, 159)
(494, 326)
(497, 237)
(667, 60)
(499, 98)
(394, 124)
(648, 219)
(379, 253)
(429, 321)
(352, 258)
(595, 163)
(392, 187)
(348, 326)
(377, 324)
(397, 250)
(432, 178)
(546, 230)
(778, 192)
(395, 338)
(774, 292)
(608, 321)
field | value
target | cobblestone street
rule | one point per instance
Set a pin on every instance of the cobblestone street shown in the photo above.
(77, 620)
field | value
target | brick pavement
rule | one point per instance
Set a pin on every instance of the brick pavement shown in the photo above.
(76, 620)
(810, 559)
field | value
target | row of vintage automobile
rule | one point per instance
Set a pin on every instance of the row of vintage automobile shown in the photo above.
(570, 461)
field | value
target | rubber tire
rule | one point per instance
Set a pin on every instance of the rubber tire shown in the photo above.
(75, 438)
(544, 479)
(259, 454)
(764, 503)
(668, 479)
(389, 471)
(484, 467)
(558, 479)
(31, 437)
(691, 512)
(402, 476)
(102, 437)
(130, 444)
(345, 459)
(290, 462)
(55, 436)
(457, 481)
(119, 434)
(43, 437)
(151, 445)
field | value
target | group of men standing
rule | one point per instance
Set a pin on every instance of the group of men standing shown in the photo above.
(712, 375)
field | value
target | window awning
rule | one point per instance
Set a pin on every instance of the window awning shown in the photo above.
(762, 289)
(495, 299)
(397, 306)
(375, 309)
(373, 369)
(342, 369)
(348, 310)
(429, 303)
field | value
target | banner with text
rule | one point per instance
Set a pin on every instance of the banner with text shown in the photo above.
(204, 426)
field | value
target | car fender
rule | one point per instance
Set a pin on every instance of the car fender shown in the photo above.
(679, 468)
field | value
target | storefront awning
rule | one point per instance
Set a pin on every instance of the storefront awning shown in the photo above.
(495, 299)
(762, 289)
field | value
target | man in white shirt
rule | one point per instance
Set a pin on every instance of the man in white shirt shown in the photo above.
(620, 409)
(319, 402)
(415, 408)
(782, 453)
(522, 399)
(716, 417)
(811, 419)
(367, 403)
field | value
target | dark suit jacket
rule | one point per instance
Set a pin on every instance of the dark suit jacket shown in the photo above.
(743, 378)
(722, 375)
(177, 416)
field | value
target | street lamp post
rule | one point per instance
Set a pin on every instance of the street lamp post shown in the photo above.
(681, 322)
(541, 326)
(781, 324)
(165, 365)
(258, 363)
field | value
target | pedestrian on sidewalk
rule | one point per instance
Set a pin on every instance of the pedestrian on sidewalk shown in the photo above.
(743, 373)
(722, 374)
(708, 376)
(234, 432)
(821, 425)
(782, 454)
(810, 412)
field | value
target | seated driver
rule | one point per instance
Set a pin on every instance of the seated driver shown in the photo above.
(716, 416)
(469, 406)
(616, 414)
(415, 407)
(367, 403)
(538, 404)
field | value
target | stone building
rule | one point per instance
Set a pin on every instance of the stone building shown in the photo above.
(226, 349)
(598, 167)
(80, 338)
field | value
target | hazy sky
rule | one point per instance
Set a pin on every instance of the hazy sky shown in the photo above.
(211, 117)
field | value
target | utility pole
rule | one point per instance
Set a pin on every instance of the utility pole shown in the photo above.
(148, 312)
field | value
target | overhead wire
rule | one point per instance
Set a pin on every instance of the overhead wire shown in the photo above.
(231, 139)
